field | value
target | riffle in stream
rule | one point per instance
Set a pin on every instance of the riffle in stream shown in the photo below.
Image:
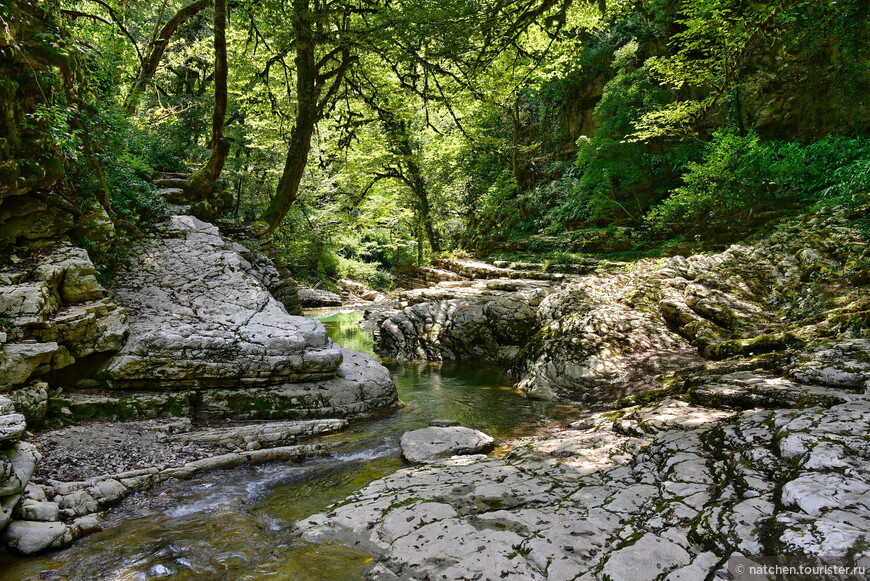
(238, 524)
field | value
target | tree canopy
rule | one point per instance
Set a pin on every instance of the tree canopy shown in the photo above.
(366, 136)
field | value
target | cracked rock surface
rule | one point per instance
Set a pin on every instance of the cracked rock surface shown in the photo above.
(199, 317)
(609, 334)
(203, 319)
(486, 319)
(753, 444)
(663, 492)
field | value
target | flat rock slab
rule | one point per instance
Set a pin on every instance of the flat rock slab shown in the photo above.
(202, 318)
(314, 298)
(751, 389)
(263, 434)
(595, 503)
(435, 443)
(11, 427)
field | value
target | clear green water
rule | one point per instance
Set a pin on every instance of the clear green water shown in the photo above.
(237, 524)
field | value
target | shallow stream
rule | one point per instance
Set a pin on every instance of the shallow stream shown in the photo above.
(237, 524)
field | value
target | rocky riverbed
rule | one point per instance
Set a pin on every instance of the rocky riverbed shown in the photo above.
(738, 388)
(617, 330)
(729, 398)
(669, 491)
(192, 330)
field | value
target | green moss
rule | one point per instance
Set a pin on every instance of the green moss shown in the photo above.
(53, 56)
(674, 387)
(9, 174)
(756, 345)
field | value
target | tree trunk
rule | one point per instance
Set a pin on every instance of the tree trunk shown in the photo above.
(307, 116)
(418, 186)
(156, 50)
(399, 138)
(316, 89)
(199, 185)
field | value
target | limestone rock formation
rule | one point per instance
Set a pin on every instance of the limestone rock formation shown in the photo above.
(596, 345)
(55, 313)
(613, 333)
(203, 319)
(662, 492)
(316, 298)
(488, 319)
(436, 443)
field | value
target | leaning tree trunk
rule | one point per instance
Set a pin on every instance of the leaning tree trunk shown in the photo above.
(156, 50)
(316, 88)
(200, 183)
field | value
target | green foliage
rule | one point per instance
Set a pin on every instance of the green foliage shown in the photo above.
(369, 273)
(55, 121)
(740, 175)
(130, 157)
(617, 178)
(512, 119)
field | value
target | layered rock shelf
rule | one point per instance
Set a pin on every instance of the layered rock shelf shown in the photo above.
(203, 318)
(204, 324)
(192, 330)
(617, 331)
(755, 366)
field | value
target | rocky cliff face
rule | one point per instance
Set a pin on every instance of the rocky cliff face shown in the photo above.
(489, 320)
(56, 317)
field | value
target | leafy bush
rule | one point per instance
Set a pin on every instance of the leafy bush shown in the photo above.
(368, 273)
(128, 160)
(619, 177)
(741, 175)
(133, 198)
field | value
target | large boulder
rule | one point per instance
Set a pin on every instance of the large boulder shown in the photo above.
(202, 319)
(29, 537)
(435, 443)
(314, 298)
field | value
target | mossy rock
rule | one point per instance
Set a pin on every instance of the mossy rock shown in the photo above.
(86, 406)
(753, 346)
(10, 172)
(54, 56)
